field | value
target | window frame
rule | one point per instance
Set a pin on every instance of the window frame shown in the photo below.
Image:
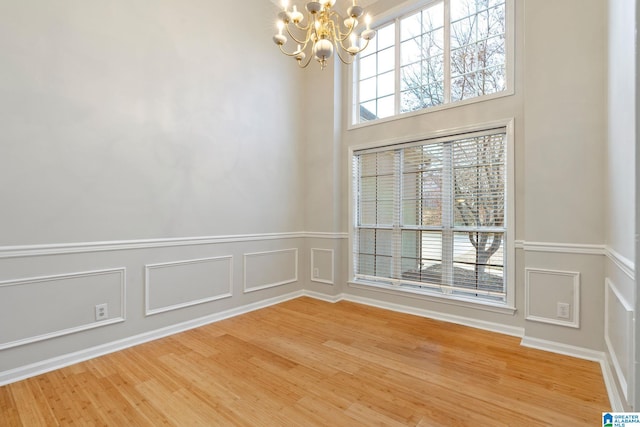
(508, 306)
(395, 15)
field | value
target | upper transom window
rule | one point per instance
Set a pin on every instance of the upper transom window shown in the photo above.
(446, 52)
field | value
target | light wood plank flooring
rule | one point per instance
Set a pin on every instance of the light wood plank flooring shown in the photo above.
(306, 362)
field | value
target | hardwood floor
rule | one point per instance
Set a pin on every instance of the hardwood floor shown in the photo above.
(307, 362)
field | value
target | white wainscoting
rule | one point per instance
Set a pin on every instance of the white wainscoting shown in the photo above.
(179, 284)
(619, 336)
(543, 288)
(51, 306)
(122, 245)
(263, 270)
(322, 266)
(561, 248)
(48, 292)
(624, 264)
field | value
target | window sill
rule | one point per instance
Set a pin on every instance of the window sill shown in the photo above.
(447, 106)
(443, 299)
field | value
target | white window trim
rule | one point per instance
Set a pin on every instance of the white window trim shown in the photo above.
(509, 305)
(409, 7)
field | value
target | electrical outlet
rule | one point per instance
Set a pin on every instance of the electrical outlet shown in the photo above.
(563, 310)
(316, 273)
(102, 311)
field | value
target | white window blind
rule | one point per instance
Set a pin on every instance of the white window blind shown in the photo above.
(430, 216)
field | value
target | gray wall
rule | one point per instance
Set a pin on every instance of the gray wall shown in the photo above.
(149, 159)
(141, 119)
(559, 115)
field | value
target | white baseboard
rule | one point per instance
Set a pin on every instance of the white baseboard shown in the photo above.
(436, 315)
(610, 382)
(615, 399)
(52, 364)
(560, 348)
(323, 297)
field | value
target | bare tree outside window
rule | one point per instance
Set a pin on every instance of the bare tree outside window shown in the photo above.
(432, 216)
(479, 189)
(440, 62)
(477, 48)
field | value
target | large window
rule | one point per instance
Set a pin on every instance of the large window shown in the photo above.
(449, 51)
(430, 217)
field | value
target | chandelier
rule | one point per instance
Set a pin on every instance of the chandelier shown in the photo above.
(323, 31)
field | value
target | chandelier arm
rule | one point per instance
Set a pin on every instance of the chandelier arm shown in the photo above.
(360, 49)
(295, 38)
(291, 54)
(339, 34)
(354, 53)
(301, 65)
(305, 28)
(346, 35)
(345, 61)
(366, 44)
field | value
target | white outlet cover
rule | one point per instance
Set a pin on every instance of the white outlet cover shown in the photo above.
(102, 311)
(563, 310)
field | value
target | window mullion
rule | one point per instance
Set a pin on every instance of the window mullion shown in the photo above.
(397, 94)
(447, 51)
(447, 215)
(396, 266)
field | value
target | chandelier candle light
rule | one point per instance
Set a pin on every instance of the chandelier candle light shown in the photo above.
(324, 28)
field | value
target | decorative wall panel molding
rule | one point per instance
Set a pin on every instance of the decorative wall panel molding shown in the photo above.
(40, 308)
(544, 289)
(322, 266)
(179, 284)
(624, 264)
(263, 270)
(321, 235)
(89, 247)
(565, 248)
(619, 336)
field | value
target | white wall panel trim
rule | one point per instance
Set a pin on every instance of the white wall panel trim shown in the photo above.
(627, 332)
(624, 264)
(322, 235)
(88, 247)
(566, 248)
(52, 278)
(147, 284)
(313, 266)
(120, 245)
(285, 281)
(574, 322)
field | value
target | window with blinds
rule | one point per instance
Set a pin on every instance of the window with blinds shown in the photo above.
(430, 216)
